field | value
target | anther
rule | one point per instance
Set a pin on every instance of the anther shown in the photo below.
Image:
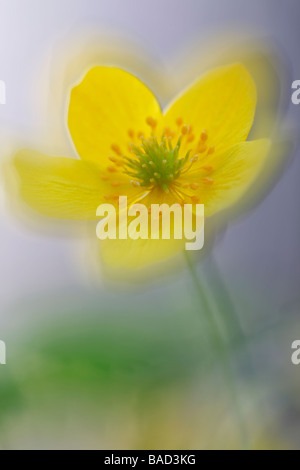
(115, 184)
(113, 159)
(185, 130)
(194, 186)
(191, 138)
(204, 135)
(112, 169)
(116, 149)
(179, 121)
(207, 168)
(211, 150)
(202, 148)
(131, 133)
(151, 122)
(208, 181)
(169, 133)
(105, 178)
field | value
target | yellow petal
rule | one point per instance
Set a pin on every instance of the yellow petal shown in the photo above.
(222, 103)
(104, 108)
(135, 254)
(60, 187)
(237, 169)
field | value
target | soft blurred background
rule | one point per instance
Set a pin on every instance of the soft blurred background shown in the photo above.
(113, 366)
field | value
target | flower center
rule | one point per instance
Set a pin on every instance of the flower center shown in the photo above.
(162, 160)
(155, 164)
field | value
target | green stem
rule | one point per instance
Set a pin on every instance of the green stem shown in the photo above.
(224, 303)
(222, 347)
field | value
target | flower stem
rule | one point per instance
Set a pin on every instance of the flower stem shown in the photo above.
(222, 347)
(224, 302)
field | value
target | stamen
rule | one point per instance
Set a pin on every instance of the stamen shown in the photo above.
(194, 186)
(207, 168)
(191, 138)
(104, 178)
(115, 184)
(169, 133)
(116, 149)
(208, 181)
(211, 150)
(113, 159)
(112, 169)
(204, 136)
(151, 122)
(131, 133)
(202, 148)
(179, 121)
(185, 130)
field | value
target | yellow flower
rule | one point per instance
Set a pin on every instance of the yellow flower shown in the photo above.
(193, 152)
